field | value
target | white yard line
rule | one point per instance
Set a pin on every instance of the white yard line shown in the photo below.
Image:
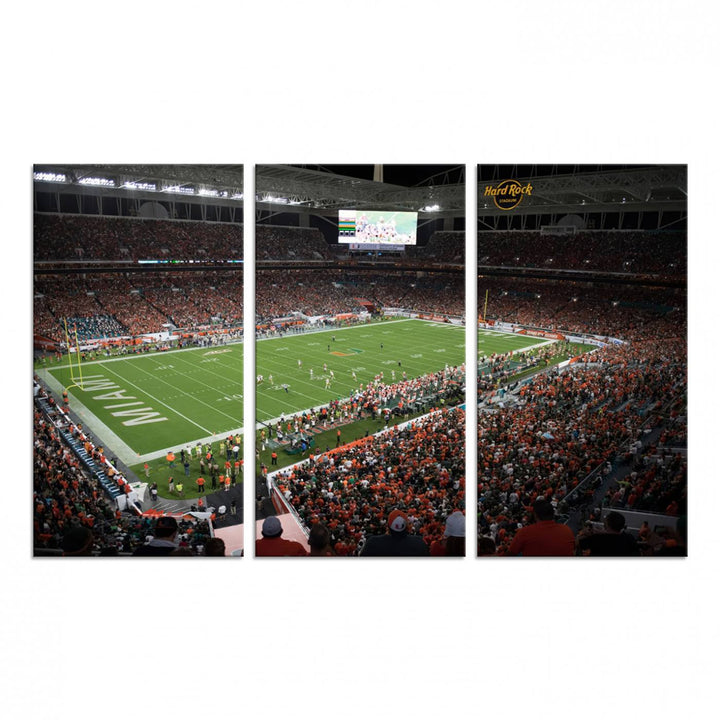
(186, 394)
(157, 400)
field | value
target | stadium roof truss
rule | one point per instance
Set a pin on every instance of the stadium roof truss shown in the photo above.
(326, 191)
(207, 184)
(655, 189)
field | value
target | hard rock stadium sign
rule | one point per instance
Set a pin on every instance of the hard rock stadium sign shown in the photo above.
(508, 194)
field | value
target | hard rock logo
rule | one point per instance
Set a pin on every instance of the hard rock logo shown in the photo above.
(508, 194)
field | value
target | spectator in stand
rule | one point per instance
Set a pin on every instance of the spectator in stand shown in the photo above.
(319, 541)
(164, 541)
(397, 542)
(105, 307)
(452, 543)
(68, 237)
(418, 469)
(273, 545)
(675, 543)
(559, 427)
(544, 537)
(215, 547)
(614, 542)
(67, 497)
(290, 243)
(485, 546)
(78, 541)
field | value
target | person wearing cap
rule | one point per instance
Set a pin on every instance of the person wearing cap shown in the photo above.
(452, 543)
(544, 537)
(397, 542)
(163, 541)
(273, 545)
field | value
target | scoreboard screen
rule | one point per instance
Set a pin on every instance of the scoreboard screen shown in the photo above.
(377, 227)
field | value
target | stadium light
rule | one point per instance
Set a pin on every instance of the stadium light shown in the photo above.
(237, 196)
(178, 189)
(50, 177)
(131, 185)
(97, 182)
(430, 208)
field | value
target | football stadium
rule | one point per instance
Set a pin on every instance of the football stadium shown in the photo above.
(585, 454)
(360, 360)
(138, 359)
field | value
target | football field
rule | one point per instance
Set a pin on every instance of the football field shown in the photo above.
(143, 405)
(306, 371)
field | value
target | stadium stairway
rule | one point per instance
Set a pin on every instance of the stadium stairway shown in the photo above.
(578, 515)
(110, 487)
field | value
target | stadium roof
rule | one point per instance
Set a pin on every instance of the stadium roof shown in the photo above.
(589, 189)
(211, 183)
(414, 188)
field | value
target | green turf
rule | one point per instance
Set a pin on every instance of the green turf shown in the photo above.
(159, 471)
(156, 401)
(494, 342)
(367, 350)
(161, 400)
(564, 353)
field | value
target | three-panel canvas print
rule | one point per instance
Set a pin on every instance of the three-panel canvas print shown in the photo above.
(367, 359)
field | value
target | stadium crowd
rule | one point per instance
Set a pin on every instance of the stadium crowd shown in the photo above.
(559, 427)
(106, 305)
(620, 251)
(418, 470)
(290, 243)
(279, 293)
(72, 514)
(92, 238)
(564, 306)
(331, 292)
(536, 446)
(378, 399)
(443, 246)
